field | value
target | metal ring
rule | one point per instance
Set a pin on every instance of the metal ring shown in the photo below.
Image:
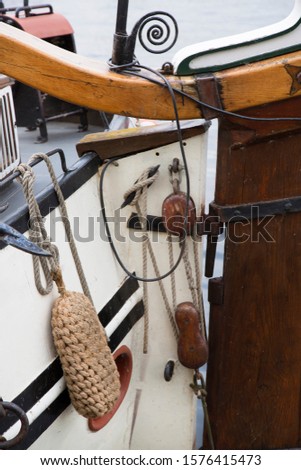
(15, 409)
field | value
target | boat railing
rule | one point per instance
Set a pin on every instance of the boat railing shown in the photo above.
(9, 155)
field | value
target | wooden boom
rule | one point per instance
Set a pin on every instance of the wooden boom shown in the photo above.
(90, 83)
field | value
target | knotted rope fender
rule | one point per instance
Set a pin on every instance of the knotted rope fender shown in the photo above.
(89, 369)
(90, 372)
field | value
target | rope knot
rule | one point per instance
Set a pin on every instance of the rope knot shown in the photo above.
(144, 181)
(27, 176)
(58, 279)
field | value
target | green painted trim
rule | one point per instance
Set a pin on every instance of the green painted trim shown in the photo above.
(185, 69)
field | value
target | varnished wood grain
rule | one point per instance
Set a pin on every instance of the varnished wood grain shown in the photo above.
(254, 364)
(90, 83)
(192, 347)
(87, 82)
(130, 141)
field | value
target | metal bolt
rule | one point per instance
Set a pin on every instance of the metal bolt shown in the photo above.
(169, 370)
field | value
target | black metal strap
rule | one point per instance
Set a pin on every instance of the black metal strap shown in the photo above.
(208, 92)
(255, 210)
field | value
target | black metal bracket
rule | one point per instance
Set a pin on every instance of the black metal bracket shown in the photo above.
(255, 210)
(157, 34)
(209, 225)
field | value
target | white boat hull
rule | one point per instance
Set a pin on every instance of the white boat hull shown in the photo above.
(155, 414)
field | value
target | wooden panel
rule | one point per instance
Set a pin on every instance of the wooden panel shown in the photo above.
(254, 369)
(133, 140)
(259, 161)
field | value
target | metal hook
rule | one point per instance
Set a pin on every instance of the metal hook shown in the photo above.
(175, 176)
(5, 407)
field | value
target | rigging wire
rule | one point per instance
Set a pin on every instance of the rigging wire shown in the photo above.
(187, 178)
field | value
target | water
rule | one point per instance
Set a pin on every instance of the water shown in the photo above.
(94, 20)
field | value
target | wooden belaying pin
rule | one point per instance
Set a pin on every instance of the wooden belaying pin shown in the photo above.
(192, 346)
(174, 211)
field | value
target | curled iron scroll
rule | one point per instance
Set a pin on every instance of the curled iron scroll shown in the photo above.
(157, 29)
(6, 407)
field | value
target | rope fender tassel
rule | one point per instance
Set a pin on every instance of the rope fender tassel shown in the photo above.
(90, 371)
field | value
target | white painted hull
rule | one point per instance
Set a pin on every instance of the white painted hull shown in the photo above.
(155, 414)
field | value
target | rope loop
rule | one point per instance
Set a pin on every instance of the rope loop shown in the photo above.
(38, 233)
(138, 187)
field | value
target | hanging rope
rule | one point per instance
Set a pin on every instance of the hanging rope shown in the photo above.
(38, 231)
(89, 369)
(173, 274)
(199, 291)
(142, 213)
(189, 276)
(140, 190)
(38, 234)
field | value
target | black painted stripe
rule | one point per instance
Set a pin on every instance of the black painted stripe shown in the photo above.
(126, 325)
(52, 412)
(118, 300)
(50, 376)
(44, 420)
(34, 392)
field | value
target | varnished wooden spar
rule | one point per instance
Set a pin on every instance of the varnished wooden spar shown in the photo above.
(90, 83)
(85, 81)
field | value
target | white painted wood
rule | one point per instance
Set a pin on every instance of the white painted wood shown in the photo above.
(222, 52)
(154, 414)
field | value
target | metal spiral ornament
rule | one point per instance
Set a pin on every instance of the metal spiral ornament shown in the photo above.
(156, 30)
